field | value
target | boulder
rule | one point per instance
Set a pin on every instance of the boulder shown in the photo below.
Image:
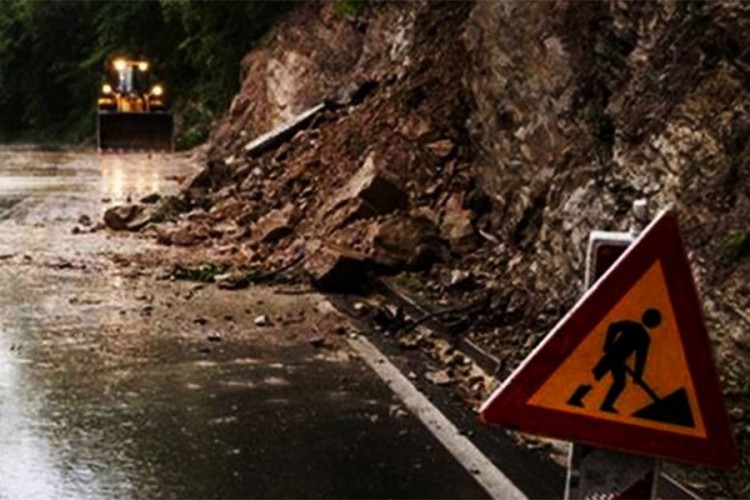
(406, 242)
(371, 191)
(336, 269)
(275, 225)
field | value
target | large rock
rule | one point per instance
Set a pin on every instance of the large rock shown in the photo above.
(406, 242)
(334, 268)
(276, 224)
(371, 192)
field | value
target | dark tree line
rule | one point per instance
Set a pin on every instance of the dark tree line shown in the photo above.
(52, 56)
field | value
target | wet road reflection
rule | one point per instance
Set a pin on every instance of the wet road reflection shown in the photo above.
(111, 388)
(129, 176)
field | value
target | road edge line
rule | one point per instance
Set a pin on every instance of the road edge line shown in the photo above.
(464, 451)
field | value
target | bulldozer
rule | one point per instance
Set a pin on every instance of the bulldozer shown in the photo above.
(131, 112)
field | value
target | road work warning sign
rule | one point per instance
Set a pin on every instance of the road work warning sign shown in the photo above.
(630, 366)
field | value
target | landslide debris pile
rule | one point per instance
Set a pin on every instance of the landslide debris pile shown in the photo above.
(375, 175)
(470, 148)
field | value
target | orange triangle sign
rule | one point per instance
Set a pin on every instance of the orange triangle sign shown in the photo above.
(630, 366)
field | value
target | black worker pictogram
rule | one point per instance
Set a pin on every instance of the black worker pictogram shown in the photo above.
(628, 341)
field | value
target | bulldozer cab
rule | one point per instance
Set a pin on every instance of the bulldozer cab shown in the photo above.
(132, 114)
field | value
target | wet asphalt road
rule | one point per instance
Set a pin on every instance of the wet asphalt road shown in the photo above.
(117, 383)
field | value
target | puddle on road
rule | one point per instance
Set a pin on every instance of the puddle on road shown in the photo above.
(63, 186)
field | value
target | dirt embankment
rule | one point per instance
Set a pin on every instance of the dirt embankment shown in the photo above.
(472, 147)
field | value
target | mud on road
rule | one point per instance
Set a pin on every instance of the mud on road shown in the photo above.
(117, 381)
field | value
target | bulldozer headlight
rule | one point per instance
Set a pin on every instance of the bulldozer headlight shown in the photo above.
(106, 89)
(157, 90)
(143, 66)
(120, 64)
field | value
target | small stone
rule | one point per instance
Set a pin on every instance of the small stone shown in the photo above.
(200, 321)
(397, 411)
(459, 277)
(318, 342)
(117, 218)
(736, 414)
(151, 198)
(232, 281)
(439, 377)
(261, 320)
(442, 148)
(214, 337)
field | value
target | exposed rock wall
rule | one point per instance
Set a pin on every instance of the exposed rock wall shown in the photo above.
(583, 108)
(315, 54)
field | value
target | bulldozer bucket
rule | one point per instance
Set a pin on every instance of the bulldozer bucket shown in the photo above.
(134, 132)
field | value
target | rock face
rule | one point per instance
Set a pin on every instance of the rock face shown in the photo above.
(313, 56)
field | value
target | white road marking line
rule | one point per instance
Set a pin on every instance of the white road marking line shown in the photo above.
(479, 466)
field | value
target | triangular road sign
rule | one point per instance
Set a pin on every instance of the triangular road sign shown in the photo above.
(630, 366)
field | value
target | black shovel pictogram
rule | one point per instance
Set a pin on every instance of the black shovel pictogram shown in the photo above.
(672, 409)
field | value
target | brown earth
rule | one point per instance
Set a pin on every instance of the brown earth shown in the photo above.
(470, 148)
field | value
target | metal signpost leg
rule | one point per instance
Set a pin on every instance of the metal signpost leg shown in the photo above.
(596, 472)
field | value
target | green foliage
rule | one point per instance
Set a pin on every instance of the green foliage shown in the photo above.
(738, 243)
(194, 125)
(206, 272)
(412, 282)
(349, 8)
(52, 57)
(688, 10)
